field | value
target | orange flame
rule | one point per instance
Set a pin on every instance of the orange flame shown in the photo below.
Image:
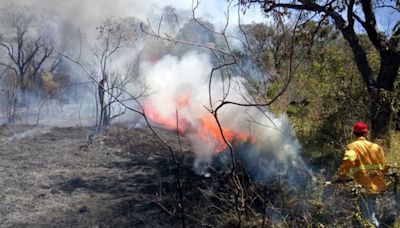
(167, 122)
(210, 130)
(206, 128)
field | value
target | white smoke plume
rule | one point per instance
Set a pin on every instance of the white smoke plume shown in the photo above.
(273, 149)
(172, 78)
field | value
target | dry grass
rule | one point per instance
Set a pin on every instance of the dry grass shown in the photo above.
(393, 157)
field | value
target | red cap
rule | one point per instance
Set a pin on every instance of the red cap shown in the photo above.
(360, 127)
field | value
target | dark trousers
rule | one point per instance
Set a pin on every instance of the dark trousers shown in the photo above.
(369, 208)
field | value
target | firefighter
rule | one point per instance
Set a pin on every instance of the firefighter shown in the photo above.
(365, 162)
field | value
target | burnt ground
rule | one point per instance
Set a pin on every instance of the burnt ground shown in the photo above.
(63, 177)
(68, 177)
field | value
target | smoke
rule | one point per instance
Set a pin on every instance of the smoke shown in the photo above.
(180, 87)
(276, 153)
(70, 28)
(87, 15)
(31, 133)
(173, 80)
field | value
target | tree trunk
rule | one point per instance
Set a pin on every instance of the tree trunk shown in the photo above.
(100, 89)
(24, 92)
(382, 98)
(381, 116)
(106, 117)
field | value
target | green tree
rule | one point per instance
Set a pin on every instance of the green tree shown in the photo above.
(345, 15)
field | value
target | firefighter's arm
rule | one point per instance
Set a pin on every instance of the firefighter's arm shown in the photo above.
(347, 163)
(344, 170)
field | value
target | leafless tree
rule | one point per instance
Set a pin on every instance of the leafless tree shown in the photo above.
(113, 36)
(25, 49)
(9, 89)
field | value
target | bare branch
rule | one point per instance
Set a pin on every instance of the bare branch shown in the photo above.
(394, 40)
(8, 66)
(350, 12)
(141, 111)
(370, 26)
(170, 39)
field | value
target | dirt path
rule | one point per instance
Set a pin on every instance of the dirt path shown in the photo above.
(49, 178)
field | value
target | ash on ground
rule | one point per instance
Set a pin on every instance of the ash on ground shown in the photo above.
(68, 177)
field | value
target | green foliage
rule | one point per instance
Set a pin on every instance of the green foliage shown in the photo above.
(337, 98)
(326, 94)
(396, 105)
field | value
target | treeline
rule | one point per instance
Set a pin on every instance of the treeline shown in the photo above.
(326, 93)
(46, 60)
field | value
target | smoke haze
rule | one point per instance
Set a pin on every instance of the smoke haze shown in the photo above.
(181, 84)
(88, 14)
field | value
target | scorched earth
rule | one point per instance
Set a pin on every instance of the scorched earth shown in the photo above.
(64, 177)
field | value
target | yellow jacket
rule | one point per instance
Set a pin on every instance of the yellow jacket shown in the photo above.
(366, 162)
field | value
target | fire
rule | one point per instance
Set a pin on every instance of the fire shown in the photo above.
(210, 130)
(168, 122)
(183, 101)
(205, 128)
